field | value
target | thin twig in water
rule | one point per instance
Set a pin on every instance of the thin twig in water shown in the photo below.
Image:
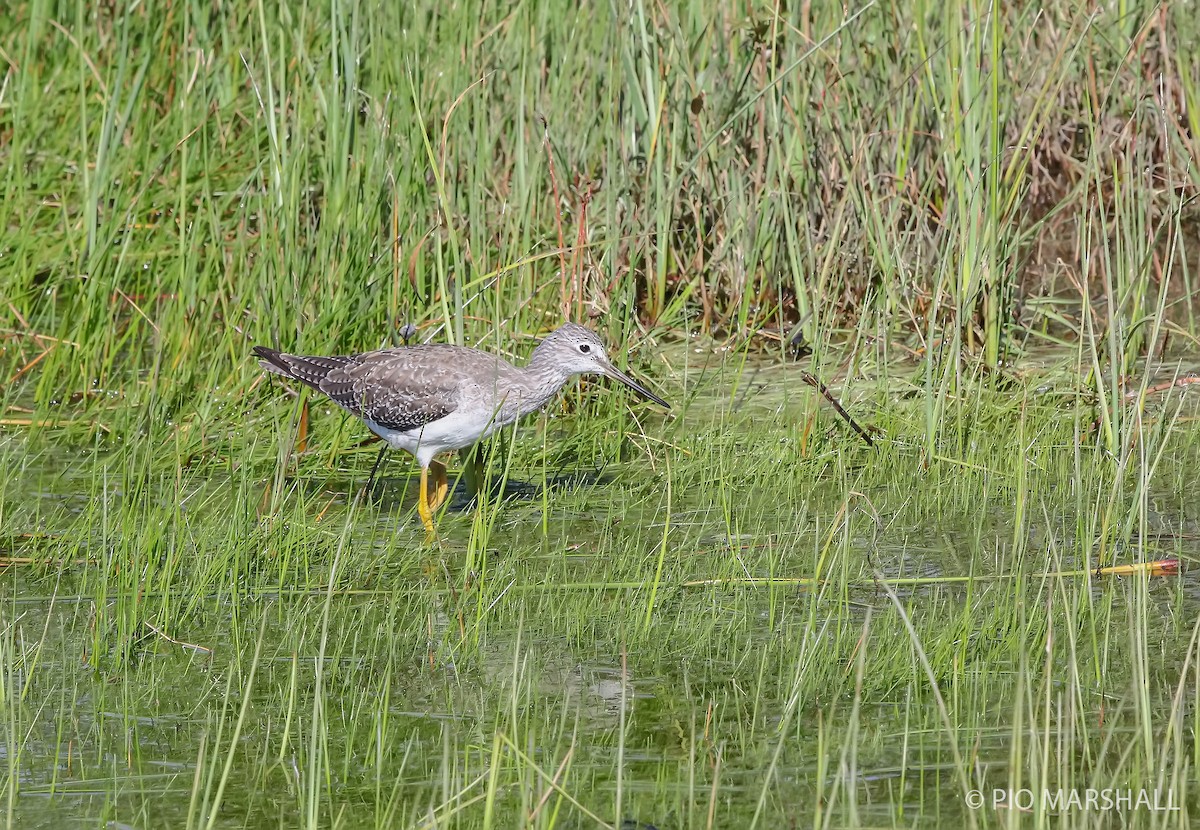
(812, 381)
(180, 643)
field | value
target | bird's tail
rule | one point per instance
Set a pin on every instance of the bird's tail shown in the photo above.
(308, 370)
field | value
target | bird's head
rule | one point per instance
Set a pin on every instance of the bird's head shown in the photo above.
(576, 350)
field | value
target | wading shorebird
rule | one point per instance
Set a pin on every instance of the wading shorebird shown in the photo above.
(430, 399)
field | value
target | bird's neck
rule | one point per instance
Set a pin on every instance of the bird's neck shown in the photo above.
(543, 379)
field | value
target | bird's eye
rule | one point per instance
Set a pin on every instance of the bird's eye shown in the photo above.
(585, 348)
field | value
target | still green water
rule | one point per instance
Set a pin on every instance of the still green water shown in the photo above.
(207, 638)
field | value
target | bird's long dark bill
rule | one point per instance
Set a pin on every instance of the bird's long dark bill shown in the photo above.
(617, 374)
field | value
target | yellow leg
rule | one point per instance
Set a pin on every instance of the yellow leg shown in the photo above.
(423, 508)
(441, 486)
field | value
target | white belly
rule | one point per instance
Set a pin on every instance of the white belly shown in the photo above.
(457, 430)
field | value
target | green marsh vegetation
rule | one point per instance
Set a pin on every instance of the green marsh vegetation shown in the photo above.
(977, 224)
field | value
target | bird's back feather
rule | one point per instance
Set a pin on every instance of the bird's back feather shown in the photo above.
(399, 389)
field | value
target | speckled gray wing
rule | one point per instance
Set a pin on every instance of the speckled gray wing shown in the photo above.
(395, 388)
(399, 389)
(405, 388)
